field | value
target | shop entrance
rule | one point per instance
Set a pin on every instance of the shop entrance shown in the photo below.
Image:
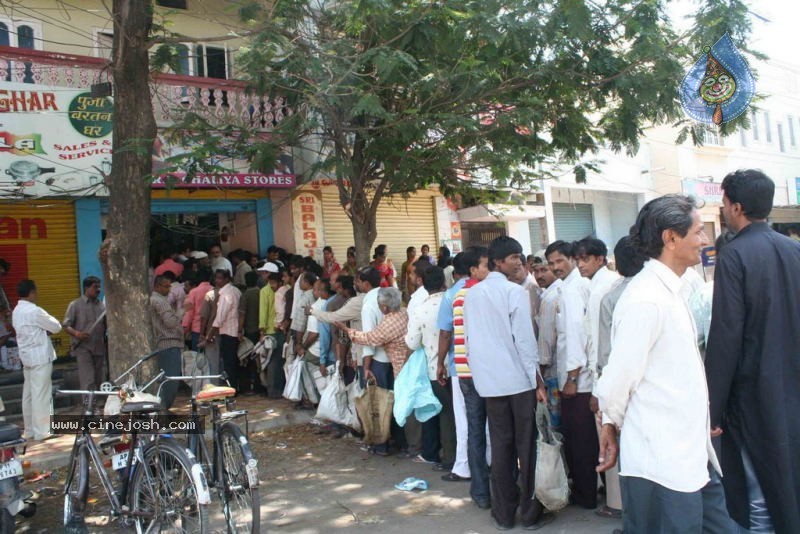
(195, 231)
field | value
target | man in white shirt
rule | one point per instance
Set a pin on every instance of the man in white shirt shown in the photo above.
(218, 261)
(654, 386)
(545, 318)
(418, 296)
(575, 376)
(438, 432)
(33, 326)
(505, 370)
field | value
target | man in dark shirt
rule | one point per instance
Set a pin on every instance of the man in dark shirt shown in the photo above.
(85, 323)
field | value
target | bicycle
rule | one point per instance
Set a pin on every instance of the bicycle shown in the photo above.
(231, 468)
(162, 486)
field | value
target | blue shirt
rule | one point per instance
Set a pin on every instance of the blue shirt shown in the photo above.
(503, 356)
(326, 354)
(445, 319)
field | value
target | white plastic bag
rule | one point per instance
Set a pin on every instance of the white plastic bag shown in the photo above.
(294, 377)
(195, 363)
(552, 487)
(335, 406)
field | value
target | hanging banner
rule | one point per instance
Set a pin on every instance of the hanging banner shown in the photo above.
(308, 228)
(53, 140)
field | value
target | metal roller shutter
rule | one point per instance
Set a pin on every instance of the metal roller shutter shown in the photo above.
(402, 222)
(573, 221)
(38, 240)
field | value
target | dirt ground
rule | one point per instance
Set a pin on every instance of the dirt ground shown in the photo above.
(312, 483)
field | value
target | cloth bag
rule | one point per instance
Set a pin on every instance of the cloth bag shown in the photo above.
(374, 409)
(294, 381)
(195, 363)
(335, 406)
(413, 391)
(552, 488)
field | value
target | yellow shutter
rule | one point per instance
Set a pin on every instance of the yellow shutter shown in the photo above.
(402, 222)
(50, 259)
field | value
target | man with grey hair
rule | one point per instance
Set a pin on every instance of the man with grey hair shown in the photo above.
(655, 385)
(388, 336)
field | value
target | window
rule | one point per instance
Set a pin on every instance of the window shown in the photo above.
(781, 142)
(211, 61)
(743, 136)
(20, 34)
(790, 125)
(174, 4)
(711, 136)
(754, 124)
(767, 127)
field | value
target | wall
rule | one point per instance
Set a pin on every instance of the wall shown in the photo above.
(613, 212)
(520, 230)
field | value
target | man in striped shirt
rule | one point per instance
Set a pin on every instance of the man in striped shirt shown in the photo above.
(168, 334)
(475, 260)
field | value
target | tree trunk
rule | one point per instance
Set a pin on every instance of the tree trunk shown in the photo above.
(124, 254)
(365, 229)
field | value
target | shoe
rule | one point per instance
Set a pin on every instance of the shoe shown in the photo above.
(442, 467)
(483, 505)
(500, 526)
(419, 459)
(452, 477)
(545, 519)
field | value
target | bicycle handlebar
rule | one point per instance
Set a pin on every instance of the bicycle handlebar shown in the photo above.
(187, 378)
(84, 392)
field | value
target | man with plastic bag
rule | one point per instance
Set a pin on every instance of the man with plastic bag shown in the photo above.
(505, 368)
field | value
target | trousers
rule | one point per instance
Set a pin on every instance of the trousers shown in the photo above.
(512, 430)
(438, 432)
(228, 346)
(649, 507)
(169, 360)
(476, 441)
(91, 368)
(461, 464)
(37, 400)
(581, 447)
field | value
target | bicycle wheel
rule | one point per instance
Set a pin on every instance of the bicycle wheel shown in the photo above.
(163, 497)
(76, 488)
(240, 500)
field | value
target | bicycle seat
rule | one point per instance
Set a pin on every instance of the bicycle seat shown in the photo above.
(212, 393)
(141, 402)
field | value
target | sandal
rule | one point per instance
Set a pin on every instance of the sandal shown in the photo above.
(452, 477)
(608, 513)
(419, 459)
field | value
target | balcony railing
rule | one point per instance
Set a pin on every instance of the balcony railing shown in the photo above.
(217, 100)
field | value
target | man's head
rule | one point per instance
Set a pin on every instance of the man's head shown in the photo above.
(162, 285)
(420, 268)
(542, 273)
(322, 289)
(381, 251)
(311, 266)
(215, 251)
(560, 258)
(238, 256)
(273, 253)
(91, 287)
(203, 275)
(327, 254)
(433, 280)
(275, 280)
(629, 261)
(746, 197)
(26, 289)
(529, 262)
(368, 278)
(476, 262)
(426, 250)
(411, 253)
(459, 269)
(221, 278)
(389, 299)
(590, 256)
(334, 278)
(296, 265)
(346, 287)
(669, 229)
(307, 280)
(4, 267)
(505, 255)
(251, 279)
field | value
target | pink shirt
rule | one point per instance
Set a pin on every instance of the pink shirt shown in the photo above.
(227, 320)
(192, 305)
(169, 265)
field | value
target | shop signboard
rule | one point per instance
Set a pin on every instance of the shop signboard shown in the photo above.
(708, 192)
(308, 227)
(53, 140)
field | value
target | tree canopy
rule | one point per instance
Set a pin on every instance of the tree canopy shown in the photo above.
(392, 96)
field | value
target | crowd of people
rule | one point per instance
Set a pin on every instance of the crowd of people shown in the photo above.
(681, 394)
